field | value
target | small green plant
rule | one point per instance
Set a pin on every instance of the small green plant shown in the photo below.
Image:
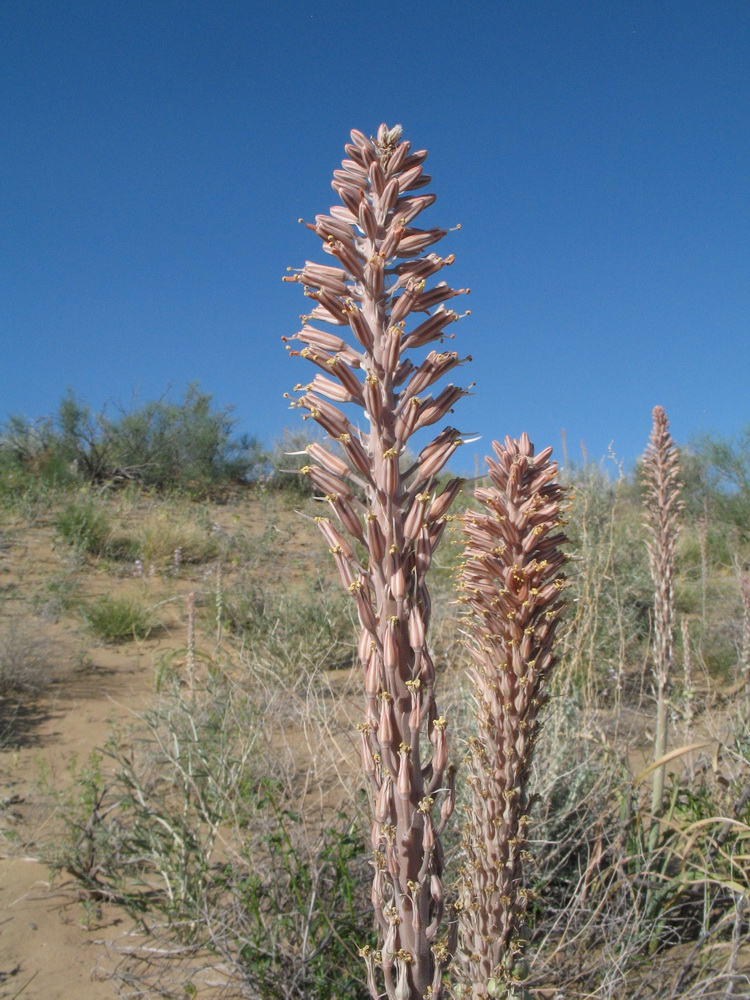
(85, 525)
(118, 619)
(88, 847)
(61, 593)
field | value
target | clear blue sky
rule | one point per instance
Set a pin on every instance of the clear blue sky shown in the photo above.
(156, 155)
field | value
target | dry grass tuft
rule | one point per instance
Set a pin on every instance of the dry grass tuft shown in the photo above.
(25, 661)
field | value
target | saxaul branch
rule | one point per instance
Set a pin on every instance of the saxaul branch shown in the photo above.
(512, 586)
(391, 507)
(662, 506)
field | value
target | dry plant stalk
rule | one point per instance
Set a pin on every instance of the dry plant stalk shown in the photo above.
(190, 603)
(512, 586)
(744, 584)
(662, 505)
(689, 689)
(702, 527)
(394, 516)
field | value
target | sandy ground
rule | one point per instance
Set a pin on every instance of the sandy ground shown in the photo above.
(50, 945)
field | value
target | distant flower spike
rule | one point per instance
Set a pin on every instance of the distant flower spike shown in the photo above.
(663, 506)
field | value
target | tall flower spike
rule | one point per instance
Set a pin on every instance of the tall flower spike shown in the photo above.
(371, 292)
(511, 589)
(662, 504)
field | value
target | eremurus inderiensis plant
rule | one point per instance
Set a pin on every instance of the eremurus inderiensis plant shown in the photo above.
(662, 505)
(511, 588)
(371, 295)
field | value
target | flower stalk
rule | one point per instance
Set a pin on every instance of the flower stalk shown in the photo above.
(662, 506)
(393, 514)
(512, 592)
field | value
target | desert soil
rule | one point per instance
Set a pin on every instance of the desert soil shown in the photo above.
(52, 946)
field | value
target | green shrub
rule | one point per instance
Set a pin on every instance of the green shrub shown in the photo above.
(85, 525)
(29, 452)
(164, 445)
(186, 444)
(118, 619)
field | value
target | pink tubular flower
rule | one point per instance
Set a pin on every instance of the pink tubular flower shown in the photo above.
(511, 589)
(378, 282)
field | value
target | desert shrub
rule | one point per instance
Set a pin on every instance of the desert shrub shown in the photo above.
(29, 453)
(26, 668)
(188, 444)
(24, 660)
(714, 552)
(118, 619)
(286, 458)
(718, 472)
(84, 524)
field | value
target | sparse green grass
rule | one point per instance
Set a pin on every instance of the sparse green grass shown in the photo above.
(118, 619)
(85, 525)
(61, 593)
(171, 533)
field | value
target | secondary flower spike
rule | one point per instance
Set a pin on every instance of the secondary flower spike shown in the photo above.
(663, 508)
(511, 588)
(374, 301)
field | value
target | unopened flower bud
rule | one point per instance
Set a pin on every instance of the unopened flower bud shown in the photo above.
(383, 800)
(403, 784)
(390, 648)
(416, 628)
